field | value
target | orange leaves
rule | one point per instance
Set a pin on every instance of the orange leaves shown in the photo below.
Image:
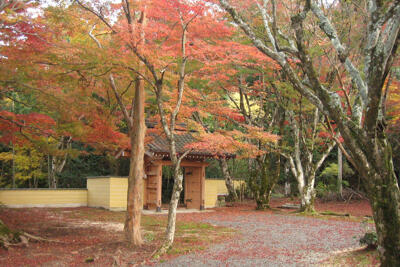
(18, 127)
(217, 143)
(101, 135)
(234, 142)
(393, 104)
(261, 135)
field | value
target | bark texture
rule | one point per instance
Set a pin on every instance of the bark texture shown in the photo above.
(228, 179)
(263, 179)
(136, 169)
(302, 161)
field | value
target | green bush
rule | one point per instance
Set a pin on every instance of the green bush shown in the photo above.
(323, 189)
(370, 239)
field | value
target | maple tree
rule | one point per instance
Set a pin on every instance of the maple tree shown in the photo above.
(32, 76)
(160, 51)
(173, 51)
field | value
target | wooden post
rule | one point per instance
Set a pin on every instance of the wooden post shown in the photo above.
(202, 187)
(159, 188)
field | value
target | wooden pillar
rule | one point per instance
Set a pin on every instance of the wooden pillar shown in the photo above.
(202, 187)
(185, 185)
(159, 188)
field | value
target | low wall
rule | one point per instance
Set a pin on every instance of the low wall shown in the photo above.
(108, 192)
(43, 197)
(105, 192)
(215, 187)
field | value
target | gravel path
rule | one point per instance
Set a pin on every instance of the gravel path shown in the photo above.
(274, 240)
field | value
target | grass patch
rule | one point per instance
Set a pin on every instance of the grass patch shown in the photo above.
(332, 213)
(328, 215)
(149, 237)
(189, 235)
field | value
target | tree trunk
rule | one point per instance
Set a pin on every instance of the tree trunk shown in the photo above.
(173, 205)
(58, 162)
(53, 174)
(385, 206)
(269, 176)
(306, 190)
(340, 173)
(228, 179)
(287, 189)
(13, 166)
(136, 169)
(384, 196)
(307, 197)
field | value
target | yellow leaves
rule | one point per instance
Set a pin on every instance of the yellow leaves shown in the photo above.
(27, 162)
(6, 156)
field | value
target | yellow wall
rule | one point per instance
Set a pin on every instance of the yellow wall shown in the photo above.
(118, 193)
(19, 198)
(214, 188)
(108, 192)
(98, 192)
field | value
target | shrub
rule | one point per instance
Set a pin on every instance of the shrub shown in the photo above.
(370, 239)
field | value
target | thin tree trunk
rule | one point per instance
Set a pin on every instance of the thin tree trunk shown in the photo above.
(48, 171)
(228, 179)
(340, 173)
(13, 166)
(173, 205)
(136, 169)
(53, 174)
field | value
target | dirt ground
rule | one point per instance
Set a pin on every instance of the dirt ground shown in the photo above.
(87, 236)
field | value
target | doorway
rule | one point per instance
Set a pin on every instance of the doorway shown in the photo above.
(168, 184)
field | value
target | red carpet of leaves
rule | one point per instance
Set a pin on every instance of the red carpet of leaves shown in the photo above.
(74, 244)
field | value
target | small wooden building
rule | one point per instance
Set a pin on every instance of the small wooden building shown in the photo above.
(194, 164)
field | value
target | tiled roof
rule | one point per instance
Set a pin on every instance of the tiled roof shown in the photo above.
(160, 146)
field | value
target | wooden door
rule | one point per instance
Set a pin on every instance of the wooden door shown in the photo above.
(193, 187)
(153, 187)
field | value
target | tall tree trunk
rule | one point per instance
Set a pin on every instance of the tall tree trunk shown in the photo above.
(136, 169)
(228, 179)
(170, 133)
